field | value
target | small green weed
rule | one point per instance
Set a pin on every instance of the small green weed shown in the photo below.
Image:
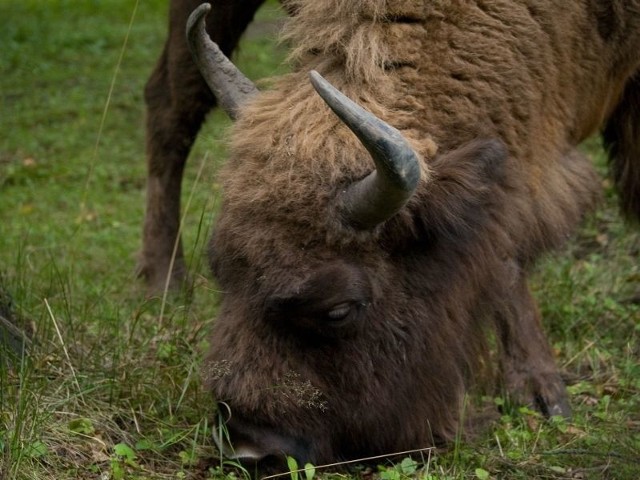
(123, 458)
(406, 468)
(308, 470)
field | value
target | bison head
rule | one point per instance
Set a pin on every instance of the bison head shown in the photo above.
(349, 317)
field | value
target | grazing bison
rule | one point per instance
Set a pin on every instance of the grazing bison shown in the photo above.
(377, 226)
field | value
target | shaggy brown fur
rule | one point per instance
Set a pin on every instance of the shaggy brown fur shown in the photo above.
(494, 96)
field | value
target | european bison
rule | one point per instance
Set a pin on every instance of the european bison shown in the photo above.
(362, 274)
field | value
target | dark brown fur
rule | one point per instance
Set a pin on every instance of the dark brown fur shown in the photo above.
(494, 95)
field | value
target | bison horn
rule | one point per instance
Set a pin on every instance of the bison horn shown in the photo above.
(381, 194)
(227, 83)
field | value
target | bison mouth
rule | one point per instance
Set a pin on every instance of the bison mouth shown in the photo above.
(260, 449)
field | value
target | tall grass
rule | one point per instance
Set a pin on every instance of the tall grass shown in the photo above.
(108, 386)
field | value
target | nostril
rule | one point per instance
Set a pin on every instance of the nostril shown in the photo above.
(237, 439)
(256, 444)
(232, 445)
(224, 412)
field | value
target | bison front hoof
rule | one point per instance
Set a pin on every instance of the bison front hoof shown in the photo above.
(545, 393)
(158, 279)
(551, 407)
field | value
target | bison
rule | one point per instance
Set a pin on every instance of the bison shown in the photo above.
(380, 214)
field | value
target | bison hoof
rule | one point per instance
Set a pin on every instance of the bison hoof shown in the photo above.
(545, 393)
(158, 279)
(551, 407)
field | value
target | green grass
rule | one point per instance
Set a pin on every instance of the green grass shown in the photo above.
(109, 387)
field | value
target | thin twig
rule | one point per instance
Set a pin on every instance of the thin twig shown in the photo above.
(359, 460)
(64, 349)
(571, 360)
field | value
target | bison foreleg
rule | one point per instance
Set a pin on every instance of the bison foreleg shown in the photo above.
(530, 374)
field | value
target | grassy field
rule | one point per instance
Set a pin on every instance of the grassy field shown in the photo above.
(109, 386)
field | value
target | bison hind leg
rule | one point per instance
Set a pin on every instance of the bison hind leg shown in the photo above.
(178, 100)
(529, 372)
(174, 117)
(621, 137)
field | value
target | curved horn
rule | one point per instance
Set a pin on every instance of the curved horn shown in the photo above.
(381, 194)
(227, 83)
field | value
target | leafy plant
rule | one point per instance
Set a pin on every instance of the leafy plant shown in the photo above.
(294, 470)
(123, 456)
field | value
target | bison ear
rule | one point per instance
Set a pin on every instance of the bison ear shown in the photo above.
(230, 87)
(476, 164)
(494, 154)
(468, 188)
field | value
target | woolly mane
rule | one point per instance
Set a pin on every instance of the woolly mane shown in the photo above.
(354, 32)
(294, 153)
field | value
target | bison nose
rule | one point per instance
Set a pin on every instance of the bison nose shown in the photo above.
(257, 445)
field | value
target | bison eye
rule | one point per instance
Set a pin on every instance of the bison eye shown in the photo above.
(339, 312)
(344, 313)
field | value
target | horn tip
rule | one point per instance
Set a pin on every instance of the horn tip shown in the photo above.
(196, 25)
(203, 8)
(197, 15)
